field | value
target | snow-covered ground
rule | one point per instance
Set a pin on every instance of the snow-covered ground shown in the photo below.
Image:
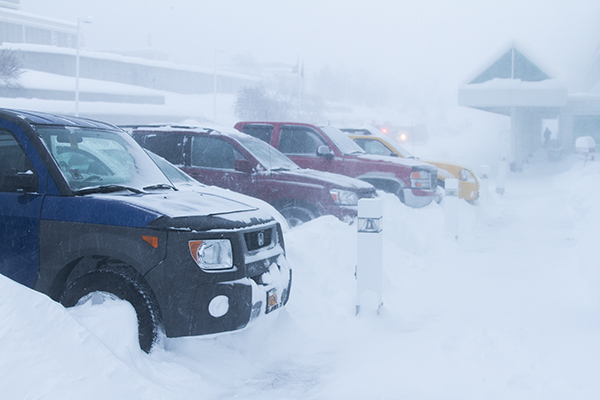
(509, 310)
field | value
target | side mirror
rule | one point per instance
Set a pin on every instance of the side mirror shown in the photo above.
(244, 166)
(325, 152)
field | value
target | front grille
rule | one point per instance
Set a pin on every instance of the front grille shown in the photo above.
(258, 239)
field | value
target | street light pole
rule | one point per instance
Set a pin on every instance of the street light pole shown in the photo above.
(215, 90)
(78, 40)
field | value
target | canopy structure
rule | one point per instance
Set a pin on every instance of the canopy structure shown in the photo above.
(516, 86)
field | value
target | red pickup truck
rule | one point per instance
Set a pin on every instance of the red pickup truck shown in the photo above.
(232, 160)
(326, 148)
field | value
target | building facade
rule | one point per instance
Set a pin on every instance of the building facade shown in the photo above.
(516, 86)
(50, 47)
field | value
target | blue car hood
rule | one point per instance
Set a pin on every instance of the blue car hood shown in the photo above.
(139, 210)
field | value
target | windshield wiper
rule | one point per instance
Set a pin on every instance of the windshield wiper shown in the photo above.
(160, 186)
(106, 189)
(280, 169)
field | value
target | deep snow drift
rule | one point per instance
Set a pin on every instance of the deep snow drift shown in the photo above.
(509, 310)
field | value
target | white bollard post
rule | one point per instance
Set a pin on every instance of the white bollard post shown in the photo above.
(502, 171)
(451, 207)
(369, 267)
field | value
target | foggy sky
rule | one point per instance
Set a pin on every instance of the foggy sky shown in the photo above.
(428, 42)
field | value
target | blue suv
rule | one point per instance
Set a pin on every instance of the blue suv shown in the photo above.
(85, 211)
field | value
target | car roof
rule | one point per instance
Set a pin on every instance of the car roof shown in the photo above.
(42, 118)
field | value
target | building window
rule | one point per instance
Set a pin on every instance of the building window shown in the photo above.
(11, 33)
(38, 36)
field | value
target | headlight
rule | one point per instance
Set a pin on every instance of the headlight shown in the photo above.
(344, 197)
(212, 255)
(420, 179)
(466, 175)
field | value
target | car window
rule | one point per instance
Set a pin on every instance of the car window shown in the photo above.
(212, 152)
(373, 146)
(262, 132)
(12, 160)
(174, 174)
(343, 143)
(299, 140)
(91, 158)
(168, 146)
(268, 156)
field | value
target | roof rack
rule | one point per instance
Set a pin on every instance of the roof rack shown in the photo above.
(130, 128)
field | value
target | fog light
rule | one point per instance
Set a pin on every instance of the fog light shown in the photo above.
(218, 306)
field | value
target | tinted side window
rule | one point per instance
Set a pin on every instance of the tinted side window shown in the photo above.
(299, 140)
(167, 146)
(262, 132)
(13, 160)
(211, 152)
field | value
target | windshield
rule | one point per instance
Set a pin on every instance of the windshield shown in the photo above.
(269, 157)
(397, 145)
(175, 175)
(344, 144)
(90, 158)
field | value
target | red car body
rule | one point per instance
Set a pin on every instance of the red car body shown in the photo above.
(239, 162)
(328, 149)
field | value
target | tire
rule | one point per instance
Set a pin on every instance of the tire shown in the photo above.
(400, 194)
(125, 286)
(297, 215)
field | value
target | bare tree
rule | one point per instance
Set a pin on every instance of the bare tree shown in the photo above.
(257, 103)
(10, 68)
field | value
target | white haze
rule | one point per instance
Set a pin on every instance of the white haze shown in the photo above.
(509, 311)
(432, 45)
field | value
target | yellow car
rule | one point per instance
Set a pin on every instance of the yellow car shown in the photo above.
(375, 142)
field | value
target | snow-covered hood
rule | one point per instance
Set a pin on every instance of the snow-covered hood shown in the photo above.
(397, 160)
(186, 203)
(327, 179)
(193, 210)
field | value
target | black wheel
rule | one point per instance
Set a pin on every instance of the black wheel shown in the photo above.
(297, 215)
(125, 286)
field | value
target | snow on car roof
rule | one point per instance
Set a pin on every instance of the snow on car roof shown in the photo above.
(41, 118)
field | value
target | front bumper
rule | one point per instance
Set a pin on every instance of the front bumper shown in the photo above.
(468, 190)
(230, 305)
(418, 198)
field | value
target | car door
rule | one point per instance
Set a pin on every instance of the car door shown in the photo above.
(300, 144)
(20, 209)
(213, 161)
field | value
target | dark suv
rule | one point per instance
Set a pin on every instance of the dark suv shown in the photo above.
(84, 210)
(233, 160)
(326, 148)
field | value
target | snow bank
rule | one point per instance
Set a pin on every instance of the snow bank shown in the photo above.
(509, 310)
